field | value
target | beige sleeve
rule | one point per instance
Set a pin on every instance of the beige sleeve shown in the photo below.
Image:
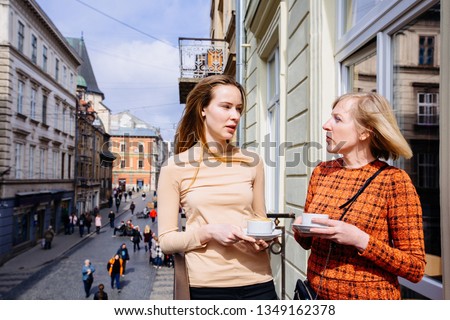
(170, 237)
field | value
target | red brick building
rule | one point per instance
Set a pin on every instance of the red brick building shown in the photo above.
(137, 147)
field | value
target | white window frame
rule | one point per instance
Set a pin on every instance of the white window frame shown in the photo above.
(44, 58)
(31, 162)
(427, 109)
(20, 37)
(20, 93)
(33, 97)
(18, 160)
(42, 162)
(34, 45)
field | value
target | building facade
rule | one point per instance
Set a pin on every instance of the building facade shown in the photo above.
(294, 57)
(139, 152)
(94, 161)
(300, 55)
(38, 72)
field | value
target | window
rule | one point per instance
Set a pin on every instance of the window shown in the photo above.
(56, 69)
(33, 103)
(427, 109)
(427, 170)
(65, 76)
(122, 164)
(426, 50)
(122, 147)
(18, 160)
(31, 162)
(20, 86)
(42, 155)
(141, 148)
(397, 56)
(56, 117)
(273, 130)
(44, 58)
(33, 49)
(20, 37)
(141, 164)
(71, 123)
(71, 81)
(69, 167)
(362, 70)
(44, 109)
(63, 167)
(63, 121)
(356, 10)
(56, 165)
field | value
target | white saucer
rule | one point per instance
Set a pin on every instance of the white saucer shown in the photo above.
(265, 237)
(306, 228)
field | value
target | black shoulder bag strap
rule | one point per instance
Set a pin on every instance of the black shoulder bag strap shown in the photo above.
(346, 206)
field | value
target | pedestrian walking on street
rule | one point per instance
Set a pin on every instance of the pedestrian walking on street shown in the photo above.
(111, 217)
(132, 207)
(123, 253)
(117, 204)
(88, 222)
(125, 195)
(98, 223)
(158, 254)
(115, 269)
(88, 276)
(147, 237)
(136, 238)
(101, 294)
(66, 221)
(81, 222)
(153, 215)
(73, 220)
(49, 234)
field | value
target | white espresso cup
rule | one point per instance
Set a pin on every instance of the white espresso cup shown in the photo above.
(259, 226)
(306, 219)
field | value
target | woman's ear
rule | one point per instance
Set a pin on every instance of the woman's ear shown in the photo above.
(203, 112)
(364, 135)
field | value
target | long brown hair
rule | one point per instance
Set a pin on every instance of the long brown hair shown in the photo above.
(191, 127)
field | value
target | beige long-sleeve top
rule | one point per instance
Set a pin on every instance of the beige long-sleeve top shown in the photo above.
(213, 192)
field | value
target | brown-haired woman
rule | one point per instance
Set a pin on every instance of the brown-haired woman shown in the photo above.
(219, 187)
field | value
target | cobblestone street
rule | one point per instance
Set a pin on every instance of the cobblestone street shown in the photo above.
(60, 279)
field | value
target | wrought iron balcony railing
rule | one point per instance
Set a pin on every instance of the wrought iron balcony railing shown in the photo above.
(201, 57)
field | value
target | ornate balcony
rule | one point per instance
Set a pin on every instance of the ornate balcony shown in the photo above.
(199, 58)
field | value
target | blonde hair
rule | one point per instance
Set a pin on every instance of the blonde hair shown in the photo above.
(147, 229)
(372, 112)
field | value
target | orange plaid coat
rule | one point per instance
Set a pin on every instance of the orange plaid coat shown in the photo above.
(388, 210)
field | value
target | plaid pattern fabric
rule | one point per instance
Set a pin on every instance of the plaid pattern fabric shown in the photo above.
(388, 210)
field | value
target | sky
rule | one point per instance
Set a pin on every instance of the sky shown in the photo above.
(133, 48)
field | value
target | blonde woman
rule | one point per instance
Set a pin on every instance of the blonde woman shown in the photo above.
(372, 238)
(219, 187)
(147, 237)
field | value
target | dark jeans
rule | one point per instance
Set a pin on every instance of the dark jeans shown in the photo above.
(261, 291)
(115, 277)
(87, 286)
(47, 244)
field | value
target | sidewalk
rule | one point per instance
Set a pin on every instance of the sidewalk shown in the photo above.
(24, 265)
